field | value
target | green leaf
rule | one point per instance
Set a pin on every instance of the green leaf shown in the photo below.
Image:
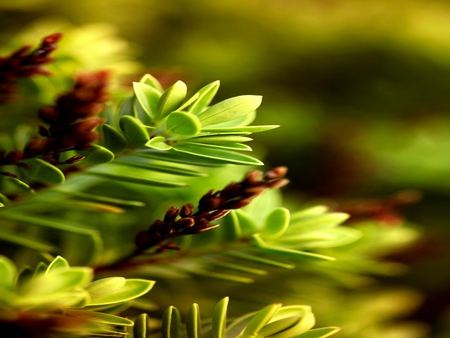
(278, 326)
(140, 113)
(248, 226)
(136, 180)
(140, 326)
(96, 154)
(205, 96)
(313, 211)
(56, 282)
(193, 322)
(226, 146)
(54, 301)
(98, 317)
(258, 259)
(171, 323)
(323, 238)
(259, 320)
(220, 139)
(319, 222)
(230, 228)
(57, 264)
(247, 129)
(218, 154)
(133, 288)
(101, 199)
(84, 205)
(148, 98)
(46, 221)
(295, 254)
(22, 135)
(126, 109)
(20, 184)
(109, 112)
(41, 171)
(178, 157)
(188, 102)
(219, 318)
(8, 271)
(28, 241)
(92, 245)
(320, 333)
(239, 122)
(134, 131)
(140, 162)
(104, 287)
(4, 200)
(158, 143)
(113, 140)
(230, 109)
(183, 124)
(171, 99)
(40, 268)
(237, 268)
(151, 81)
(291, 321)
(275, 224)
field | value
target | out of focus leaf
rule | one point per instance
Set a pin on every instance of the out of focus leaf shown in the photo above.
(41, 171)
(133, 288)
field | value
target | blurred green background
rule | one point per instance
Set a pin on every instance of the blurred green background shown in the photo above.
(361, 90)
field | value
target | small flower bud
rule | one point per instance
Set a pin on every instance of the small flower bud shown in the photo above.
(275, 173)
(185, 222)
(187, 210)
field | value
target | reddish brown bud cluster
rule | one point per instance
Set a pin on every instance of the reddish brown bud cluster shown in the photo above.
(238, 195)
(72, 123)
(72, 120)
(212, 206)
(23, 63)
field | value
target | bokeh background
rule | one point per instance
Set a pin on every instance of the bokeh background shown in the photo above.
(361, 90)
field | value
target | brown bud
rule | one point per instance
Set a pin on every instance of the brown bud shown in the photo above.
(206, 228)
(252, 177)
(88, 109)
(141, 240)
(217, 214)
(187, 210)
(49, 114)
(53, 38)
(13, 157)
(86, 138)
(171, 214)
(86, 125)
(82, 146)
(278, 184)
(275, 173)
(211, 203)
(237, 204)
(231, 190)
(256, 190)
(185, 222)
(36, 146)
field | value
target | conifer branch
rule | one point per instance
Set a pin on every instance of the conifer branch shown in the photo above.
(211, 207)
